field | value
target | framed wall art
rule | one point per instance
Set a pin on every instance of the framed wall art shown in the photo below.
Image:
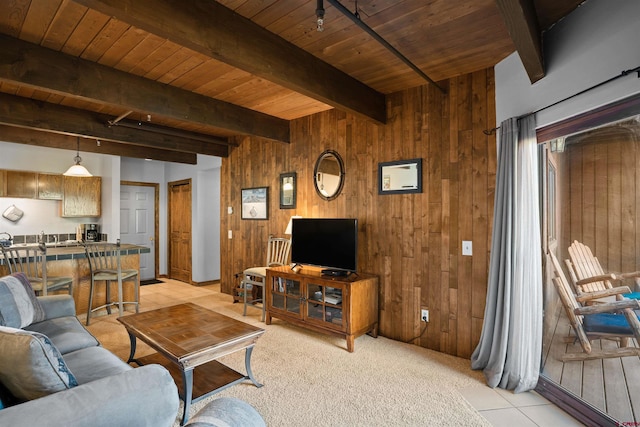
(400, 177)
(255, 203)
(288, 190)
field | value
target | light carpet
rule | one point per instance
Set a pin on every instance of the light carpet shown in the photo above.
(310, 379)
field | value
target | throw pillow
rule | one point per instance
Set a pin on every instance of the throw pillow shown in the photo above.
(32, 366)
(19, 306)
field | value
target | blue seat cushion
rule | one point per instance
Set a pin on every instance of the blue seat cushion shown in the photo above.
(632, 295)
(66, 333)
(607, 323)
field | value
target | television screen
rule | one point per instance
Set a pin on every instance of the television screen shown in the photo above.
(325, 242)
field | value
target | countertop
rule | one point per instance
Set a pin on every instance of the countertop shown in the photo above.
(76, 251)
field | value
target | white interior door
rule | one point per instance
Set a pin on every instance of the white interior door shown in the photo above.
(137, 224)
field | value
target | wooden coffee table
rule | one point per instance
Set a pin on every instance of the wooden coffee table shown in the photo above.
(189, 338)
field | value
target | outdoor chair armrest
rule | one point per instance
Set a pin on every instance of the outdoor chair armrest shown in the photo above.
(599, 278)
(611, 307)
(632, 275)
(588, 296)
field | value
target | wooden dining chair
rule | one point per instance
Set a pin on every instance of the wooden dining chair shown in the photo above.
(32, 261)
(278, 249)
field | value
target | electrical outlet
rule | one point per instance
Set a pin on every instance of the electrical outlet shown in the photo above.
(424, 315)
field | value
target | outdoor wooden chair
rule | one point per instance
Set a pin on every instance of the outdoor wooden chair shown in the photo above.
(588, 276)
(615, 321)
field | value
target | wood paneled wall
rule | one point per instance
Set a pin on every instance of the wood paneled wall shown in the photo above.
(601, 195)
(412, 242)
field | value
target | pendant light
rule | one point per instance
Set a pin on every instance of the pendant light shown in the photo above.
(77, 169)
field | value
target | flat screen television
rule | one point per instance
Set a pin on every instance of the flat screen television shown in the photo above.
(331, 243)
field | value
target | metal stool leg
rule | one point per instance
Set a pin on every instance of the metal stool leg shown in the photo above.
(89, 310)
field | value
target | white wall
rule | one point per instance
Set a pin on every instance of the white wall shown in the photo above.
(595, 42)
(205, 214)
(44, 215)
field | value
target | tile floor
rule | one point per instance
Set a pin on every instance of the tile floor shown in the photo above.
(500, 407)
(505, 408)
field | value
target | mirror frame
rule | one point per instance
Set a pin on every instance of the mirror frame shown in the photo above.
(383, 187)
(321, 157)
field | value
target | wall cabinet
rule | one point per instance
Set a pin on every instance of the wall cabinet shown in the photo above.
(81, 196)
(341, 306)
(49, 186)
(21, 184)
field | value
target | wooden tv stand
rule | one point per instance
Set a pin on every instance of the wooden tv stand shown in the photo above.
(335, 305)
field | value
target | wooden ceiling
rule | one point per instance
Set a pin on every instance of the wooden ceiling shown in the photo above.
(167, 79)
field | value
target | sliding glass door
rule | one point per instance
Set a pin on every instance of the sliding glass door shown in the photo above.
(591, 195)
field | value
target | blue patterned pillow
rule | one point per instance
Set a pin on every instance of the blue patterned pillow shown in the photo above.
(19, 306)
(36, 366)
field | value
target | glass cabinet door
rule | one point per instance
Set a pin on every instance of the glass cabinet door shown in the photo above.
(285, 294)
(324, 304)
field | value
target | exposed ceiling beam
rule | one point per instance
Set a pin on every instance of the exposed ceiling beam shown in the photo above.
(179, 133)
(38, 115)
(67, 142)
(209, 28)
(522, 25)
(40, 68)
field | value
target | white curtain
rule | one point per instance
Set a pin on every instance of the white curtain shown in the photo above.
(510, 345)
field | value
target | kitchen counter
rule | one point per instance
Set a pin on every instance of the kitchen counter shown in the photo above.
(65, 251)
(71, 261)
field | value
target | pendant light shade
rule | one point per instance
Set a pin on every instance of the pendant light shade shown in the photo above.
(77, 169)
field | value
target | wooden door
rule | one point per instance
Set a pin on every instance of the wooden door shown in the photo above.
(180, 230)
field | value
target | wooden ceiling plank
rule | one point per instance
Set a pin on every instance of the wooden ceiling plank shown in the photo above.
(140, 53)
(198, 76)
(212, 29)
(26, 113)
(164, 51)
(96, 48)
(63, 25)
(522, 25)
(35, 66)
(17, 13)
(122, 47)
(38, 20)
(189, 63)
(88, 28)
(68, 142)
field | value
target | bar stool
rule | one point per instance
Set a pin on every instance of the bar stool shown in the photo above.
(32, 261)
(105, 266)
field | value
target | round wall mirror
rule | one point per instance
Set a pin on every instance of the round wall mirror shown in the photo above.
(329, 175)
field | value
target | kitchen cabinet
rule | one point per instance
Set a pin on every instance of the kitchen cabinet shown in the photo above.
(342, 306)
(3, 183)
(21, 184)
(81, 196)
(49, 186)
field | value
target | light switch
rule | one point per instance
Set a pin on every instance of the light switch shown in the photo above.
(467, 248)
(230, 234)
(229, 211)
